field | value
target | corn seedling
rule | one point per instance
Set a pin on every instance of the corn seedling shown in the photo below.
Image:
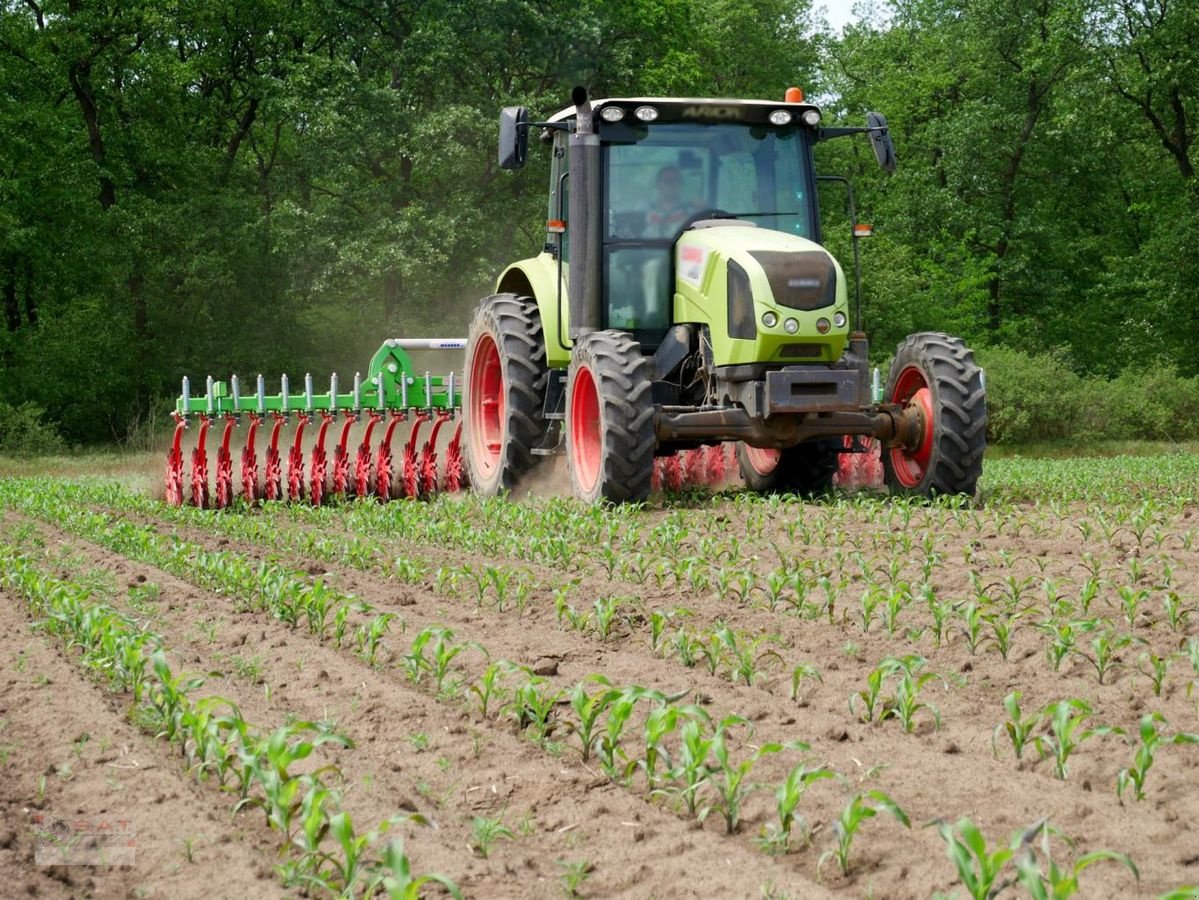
(589, 707)
(394, 876)
(1066, 732)
(803, 672)
(978, 868)
(1018, 729)
(860, 808)
(1056, 882)
(787, 799)
(486, 832)
(1142, 760)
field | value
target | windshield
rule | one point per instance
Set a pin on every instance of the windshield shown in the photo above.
(658, 177)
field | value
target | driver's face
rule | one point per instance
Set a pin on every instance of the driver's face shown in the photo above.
(670, 187)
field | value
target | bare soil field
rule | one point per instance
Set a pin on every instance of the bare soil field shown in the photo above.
(712, 696)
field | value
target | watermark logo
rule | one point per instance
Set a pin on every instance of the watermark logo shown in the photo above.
(83, 840)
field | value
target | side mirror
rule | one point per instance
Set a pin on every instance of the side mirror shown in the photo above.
(880, 140)
(514, 137)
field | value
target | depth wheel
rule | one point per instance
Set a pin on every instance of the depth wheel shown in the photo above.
(934, 376)
(806, 468)
(610, 419)
(506, 377)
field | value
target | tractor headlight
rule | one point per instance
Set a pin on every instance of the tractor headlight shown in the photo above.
(646, 113)
(780, 117)
(770, 318)
(791, 326)
(839, 320)
(822, 325)
(611, 113)
(811, 117)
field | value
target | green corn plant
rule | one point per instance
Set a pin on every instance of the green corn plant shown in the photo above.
(1131, 601)
(860, 808)
(741, 652)
(978, 868)
(394, 876)
(1003, 630)
(663, 721)
(1143, 757)
(1057, 882)
(1177, 615)
(532, 707)
(486, 832)
(871, 697)
(906, 703)
(940, 611)
(490, 683)
(894, 604)
(1102, 657)
(690, 771)
(972, 625)
(1018, 729)
(340, 623)
(608, 748)
(801, 673)
(606, 609)
(167, 700)
(1064, 637)
(1066, 732)
(589, 707)
(687, 648)
(1156, 670)
(370, 635)
(728, 779)
(787, 799)
(872, 598)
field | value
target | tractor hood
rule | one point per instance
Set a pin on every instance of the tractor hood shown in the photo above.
(767, 296)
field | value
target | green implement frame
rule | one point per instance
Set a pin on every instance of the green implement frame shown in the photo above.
(391, 383)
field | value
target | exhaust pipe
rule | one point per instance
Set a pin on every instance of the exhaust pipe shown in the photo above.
(584, 224)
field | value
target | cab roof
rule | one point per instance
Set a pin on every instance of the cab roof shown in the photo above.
(678, 107)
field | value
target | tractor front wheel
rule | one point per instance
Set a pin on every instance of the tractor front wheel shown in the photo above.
(934, 378)
(504, 393)
(806, 468)
(610, 419)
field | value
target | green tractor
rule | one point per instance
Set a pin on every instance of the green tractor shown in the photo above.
(683, 299)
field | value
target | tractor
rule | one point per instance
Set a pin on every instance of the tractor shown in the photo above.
(682, 305)
(683, 299)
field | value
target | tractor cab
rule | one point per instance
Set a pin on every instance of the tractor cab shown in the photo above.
(669, 166)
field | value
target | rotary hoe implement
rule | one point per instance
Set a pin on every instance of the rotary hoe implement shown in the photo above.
(351, 434)
(683, 321)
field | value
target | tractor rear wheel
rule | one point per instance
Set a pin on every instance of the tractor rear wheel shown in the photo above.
(610, 419)
(806, 468)
(936, 375)
(504, 393)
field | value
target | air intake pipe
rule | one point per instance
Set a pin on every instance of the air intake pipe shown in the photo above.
(584, 223)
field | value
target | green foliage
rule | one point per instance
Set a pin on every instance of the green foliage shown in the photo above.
(23, 431)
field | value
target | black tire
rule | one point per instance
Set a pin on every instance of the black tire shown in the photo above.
(956, 437)
(806, 468)
(499, 452)
(610, 437)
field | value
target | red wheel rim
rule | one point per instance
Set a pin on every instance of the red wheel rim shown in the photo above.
(762, 460)
(910, 464)
(585, 439)
(486, 405)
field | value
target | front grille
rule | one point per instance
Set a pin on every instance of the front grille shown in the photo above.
(805, 280)
(801, 351)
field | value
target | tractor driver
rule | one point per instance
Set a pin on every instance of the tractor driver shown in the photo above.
(669, 210)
